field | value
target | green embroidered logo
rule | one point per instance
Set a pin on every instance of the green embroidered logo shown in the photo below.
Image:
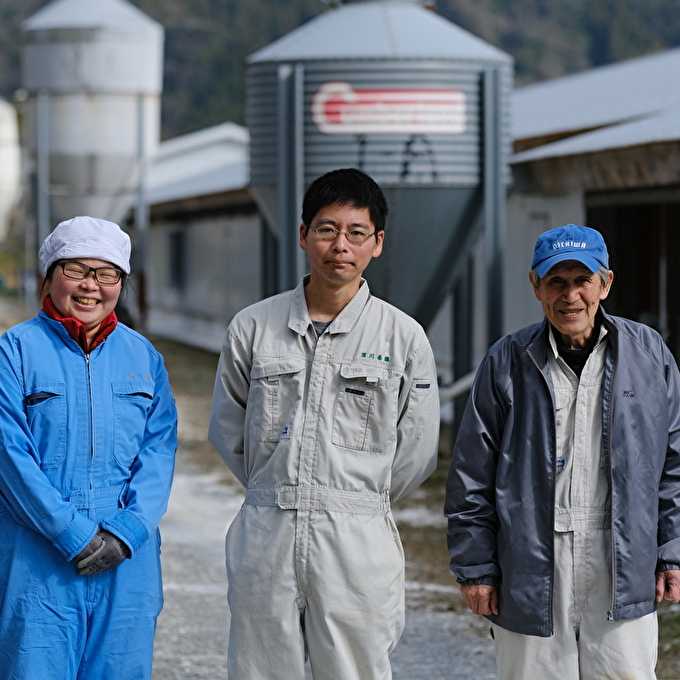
(377, 357)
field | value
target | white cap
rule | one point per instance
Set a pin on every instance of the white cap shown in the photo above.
(86, 237)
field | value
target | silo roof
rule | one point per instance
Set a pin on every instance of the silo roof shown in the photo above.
(602, 96)
(115, 14)
(382, 29)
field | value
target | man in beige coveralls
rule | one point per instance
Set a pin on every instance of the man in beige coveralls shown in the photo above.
(326, 409)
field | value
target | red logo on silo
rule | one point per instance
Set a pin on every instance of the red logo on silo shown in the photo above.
(339, 108)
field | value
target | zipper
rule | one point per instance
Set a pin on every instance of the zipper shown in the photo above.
(607, 443)
(552, 507)
(90, 407)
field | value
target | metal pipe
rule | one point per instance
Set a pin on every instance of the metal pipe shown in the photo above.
(494, 202)
(286, 262)
(298, 169)
(43, 164)
(141, 213)
(663, 279)
(457, 388)
(141, 208)
(290, 173)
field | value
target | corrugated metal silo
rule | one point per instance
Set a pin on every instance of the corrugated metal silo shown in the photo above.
(93, 70)
(415, 101)
(10, 164)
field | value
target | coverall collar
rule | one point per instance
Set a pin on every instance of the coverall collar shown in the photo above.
(299, 319)
(553, 342)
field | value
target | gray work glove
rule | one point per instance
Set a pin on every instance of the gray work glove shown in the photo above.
(105, 551)
(95, 544)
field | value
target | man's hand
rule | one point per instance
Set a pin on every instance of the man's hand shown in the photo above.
(668, 585)
(110, 552)
(482, 599)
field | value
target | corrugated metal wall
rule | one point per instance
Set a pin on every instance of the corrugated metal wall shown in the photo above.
(392, 159)
(262, 117)
(432, 159)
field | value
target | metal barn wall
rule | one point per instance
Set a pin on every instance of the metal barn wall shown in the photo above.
(221, 275)
(530, 214)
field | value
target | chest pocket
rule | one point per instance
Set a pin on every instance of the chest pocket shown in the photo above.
(45, 409)
(365, 411)
(274, 399)
(131, 405)
(564, 430)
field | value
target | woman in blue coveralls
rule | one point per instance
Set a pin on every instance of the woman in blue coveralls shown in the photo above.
(87, 447)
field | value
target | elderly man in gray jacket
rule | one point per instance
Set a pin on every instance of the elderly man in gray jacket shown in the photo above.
(563, 497)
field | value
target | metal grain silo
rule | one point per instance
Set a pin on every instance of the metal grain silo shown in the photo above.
(415, 101)
(10, 163)
(93, 71)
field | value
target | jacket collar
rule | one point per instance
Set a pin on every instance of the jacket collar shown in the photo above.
(299, 319)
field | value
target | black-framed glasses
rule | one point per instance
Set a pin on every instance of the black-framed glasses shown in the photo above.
(356, 236)
(104, 276)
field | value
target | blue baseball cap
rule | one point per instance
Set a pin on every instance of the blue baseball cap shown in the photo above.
(569, 242)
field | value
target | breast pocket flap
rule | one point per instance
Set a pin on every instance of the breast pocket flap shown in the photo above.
(267, 369)
(361, 373)
(133, 389)
(41, 393)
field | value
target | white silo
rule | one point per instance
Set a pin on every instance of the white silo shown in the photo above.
(93, 72)
(10, 164)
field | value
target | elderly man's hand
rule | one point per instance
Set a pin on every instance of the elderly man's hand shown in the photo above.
(481, 599)
(668, 585)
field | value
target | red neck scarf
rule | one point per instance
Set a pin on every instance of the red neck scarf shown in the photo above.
(76, 329)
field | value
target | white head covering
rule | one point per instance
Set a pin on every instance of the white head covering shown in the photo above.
(86, 237)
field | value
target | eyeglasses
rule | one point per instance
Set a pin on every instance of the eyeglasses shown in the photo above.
(356, 236)
(104, 276)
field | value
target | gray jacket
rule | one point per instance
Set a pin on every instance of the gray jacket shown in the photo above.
(500, 492)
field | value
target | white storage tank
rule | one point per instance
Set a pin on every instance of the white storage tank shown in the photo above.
(10, 165)
(93, 71)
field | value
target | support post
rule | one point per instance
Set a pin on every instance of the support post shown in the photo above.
(663, 275)
(141, 215)
(43, 163)
(290, 173)
(462, 332)
(494, 202)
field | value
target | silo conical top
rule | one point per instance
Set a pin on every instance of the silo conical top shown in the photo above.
(111, 14)
(375, 29)
(94, 46)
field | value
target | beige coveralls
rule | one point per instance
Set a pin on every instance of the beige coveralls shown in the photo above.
(323, 433)
(585, 645)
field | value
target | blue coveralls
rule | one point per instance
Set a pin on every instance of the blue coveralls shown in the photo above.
(86, 441)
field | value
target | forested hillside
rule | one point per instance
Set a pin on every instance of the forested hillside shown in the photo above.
(207, 41)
